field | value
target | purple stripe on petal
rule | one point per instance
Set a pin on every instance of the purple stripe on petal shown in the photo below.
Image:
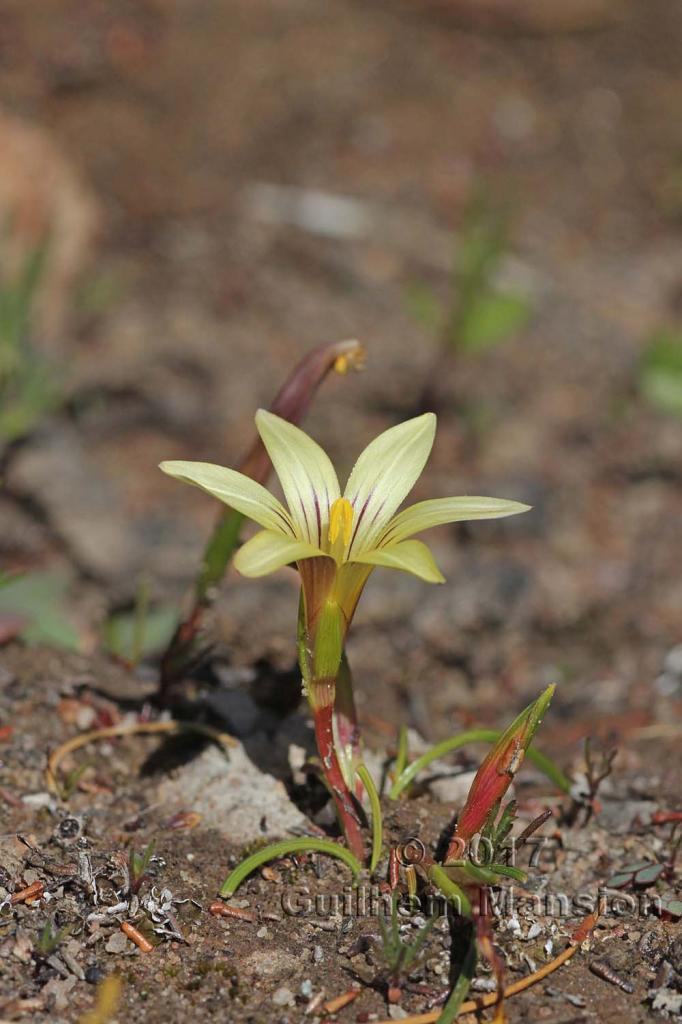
(359, 520)
(319, 519)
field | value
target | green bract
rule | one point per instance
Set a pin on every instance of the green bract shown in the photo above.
(355, 530)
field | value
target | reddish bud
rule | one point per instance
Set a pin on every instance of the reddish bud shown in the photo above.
(496, 773)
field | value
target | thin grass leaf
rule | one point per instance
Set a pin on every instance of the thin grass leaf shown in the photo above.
(461, 986)
(283, 849)
(541, 761)
(377, 821)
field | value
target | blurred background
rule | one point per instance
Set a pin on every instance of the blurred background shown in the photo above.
(487, 194)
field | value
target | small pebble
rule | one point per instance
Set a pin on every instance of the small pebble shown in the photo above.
(318, 954)
(283, 997)
(94, 974)
(483, 985)
(306, 988)
(117, 943)
(575, 1000)
(263, 933)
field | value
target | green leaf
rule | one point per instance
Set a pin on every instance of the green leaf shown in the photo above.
(283, 849)
(671, 905)
(39, 597)
(119, 635)
(490, 319)
(459, 991)
(661, 372)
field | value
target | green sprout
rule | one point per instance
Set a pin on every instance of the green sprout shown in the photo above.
(479, 315)
(399, 956)
(27, 388)
(50, 938)
(660, 372)
(336, 540)
(139, 866)
(141, 632)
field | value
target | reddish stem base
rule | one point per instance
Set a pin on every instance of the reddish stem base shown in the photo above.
(348, 815)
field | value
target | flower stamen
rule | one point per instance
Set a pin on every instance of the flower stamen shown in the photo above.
(341, 521)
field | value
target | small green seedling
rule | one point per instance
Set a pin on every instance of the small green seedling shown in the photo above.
(50, 938)
(144, 631)
(70, 783)
(27, 382)
(400, 957)
(139, 866)
(660, 372)
(479, 314)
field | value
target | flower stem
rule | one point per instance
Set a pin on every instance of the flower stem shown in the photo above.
(346, 727)
(343, 798)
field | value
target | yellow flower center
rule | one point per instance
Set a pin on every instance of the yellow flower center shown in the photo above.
(341, 521)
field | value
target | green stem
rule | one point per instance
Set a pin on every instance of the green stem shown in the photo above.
(450, 890)
(218, 553)
(488, 875)
(343, 798)
(402, 754)
(346, 728)
(377, 822)
(541, 761)
(140, 622)
(461, 986)
(282, 849)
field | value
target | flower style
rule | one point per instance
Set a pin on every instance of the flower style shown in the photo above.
(337, 539)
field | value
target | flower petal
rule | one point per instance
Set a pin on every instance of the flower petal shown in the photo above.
(236, 490)
(384, 474)
(267, 551)
(410, 556)
(305, 472)
(437, 511)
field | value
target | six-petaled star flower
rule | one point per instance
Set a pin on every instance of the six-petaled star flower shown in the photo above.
(352, 531)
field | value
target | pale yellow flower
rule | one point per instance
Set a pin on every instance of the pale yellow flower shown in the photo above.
(353, 531)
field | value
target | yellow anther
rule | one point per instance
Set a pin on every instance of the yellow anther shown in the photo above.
(341, 520)
(352, 359)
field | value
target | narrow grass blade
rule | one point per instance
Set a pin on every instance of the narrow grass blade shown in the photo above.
(461, 986)
(282, 849)
(377, 820)
(541, 761)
